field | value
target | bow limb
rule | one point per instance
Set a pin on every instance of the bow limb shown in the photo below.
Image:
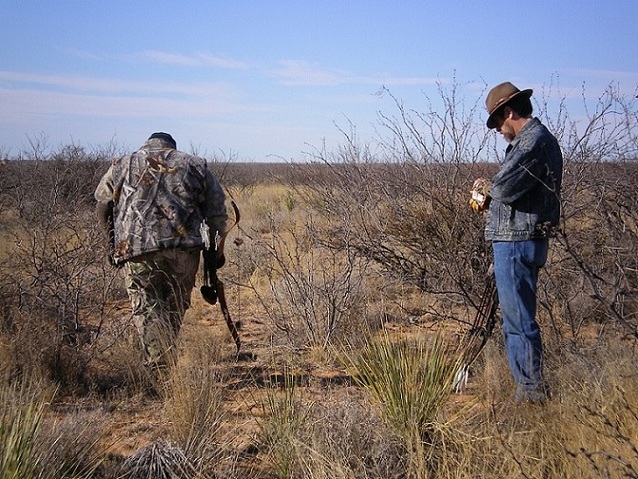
(216, 293)
(232, 327)
(480, 332)
(222, 240)
(484, 322)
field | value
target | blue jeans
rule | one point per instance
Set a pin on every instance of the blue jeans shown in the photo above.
(516, 267)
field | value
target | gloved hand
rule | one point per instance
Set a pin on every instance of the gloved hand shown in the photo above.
(113, 263)
(480, 199)
(212, 258)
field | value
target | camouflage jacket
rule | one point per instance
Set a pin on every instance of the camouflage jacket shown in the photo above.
(160, 197)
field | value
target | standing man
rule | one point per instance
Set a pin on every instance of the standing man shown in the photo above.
(523, 204)
(153, 204)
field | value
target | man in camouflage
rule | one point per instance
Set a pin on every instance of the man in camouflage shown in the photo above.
(152, 204)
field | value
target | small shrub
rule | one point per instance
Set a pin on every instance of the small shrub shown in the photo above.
(286, 418)
(410, 380)
(159, 460)
(22, 413)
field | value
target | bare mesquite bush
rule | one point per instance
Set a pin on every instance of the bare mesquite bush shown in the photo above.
(313, 295)
(54, 286)
(593, 278)
(405, 207)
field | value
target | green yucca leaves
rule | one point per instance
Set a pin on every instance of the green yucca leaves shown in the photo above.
(409, 379)
(21, 413)
(31, 448)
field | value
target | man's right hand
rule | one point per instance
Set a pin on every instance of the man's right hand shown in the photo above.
(114, 263)
(212, 258)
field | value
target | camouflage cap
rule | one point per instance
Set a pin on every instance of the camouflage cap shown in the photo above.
(164, 136)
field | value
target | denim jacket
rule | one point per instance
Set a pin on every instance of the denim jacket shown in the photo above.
(526, 191)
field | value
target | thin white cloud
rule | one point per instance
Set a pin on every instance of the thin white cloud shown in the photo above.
(82, 54)
(298, 72)
(198, 59)
(302, 73)
(32, 103)
(100, 85)
(625, 81)
(613, 75)
(587, 84)
(31, 95)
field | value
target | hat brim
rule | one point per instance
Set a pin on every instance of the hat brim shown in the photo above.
(490, 120)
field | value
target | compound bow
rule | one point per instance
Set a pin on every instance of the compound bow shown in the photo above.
(215, 291)
(479, 333)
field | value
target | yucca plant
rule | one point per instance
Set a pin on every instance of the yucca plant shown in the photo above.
(410, 379)
(159, 460)
(21, 415)
(32, 448)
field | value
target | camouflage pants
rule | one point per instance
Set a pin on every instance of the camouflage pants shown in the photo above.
(159, 286)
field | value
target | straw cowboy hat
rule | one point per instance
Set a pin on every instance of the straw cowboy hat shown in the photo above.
(499, 96)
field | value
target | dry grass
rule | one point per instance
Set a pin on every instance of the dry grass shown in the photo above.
(194, 397)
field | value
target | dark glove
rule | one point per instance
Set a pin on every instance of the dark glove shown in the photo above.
(212, 263)
(211, 258)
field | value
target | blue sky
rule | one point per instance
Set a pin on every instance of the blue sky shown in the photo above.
(267, 80)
